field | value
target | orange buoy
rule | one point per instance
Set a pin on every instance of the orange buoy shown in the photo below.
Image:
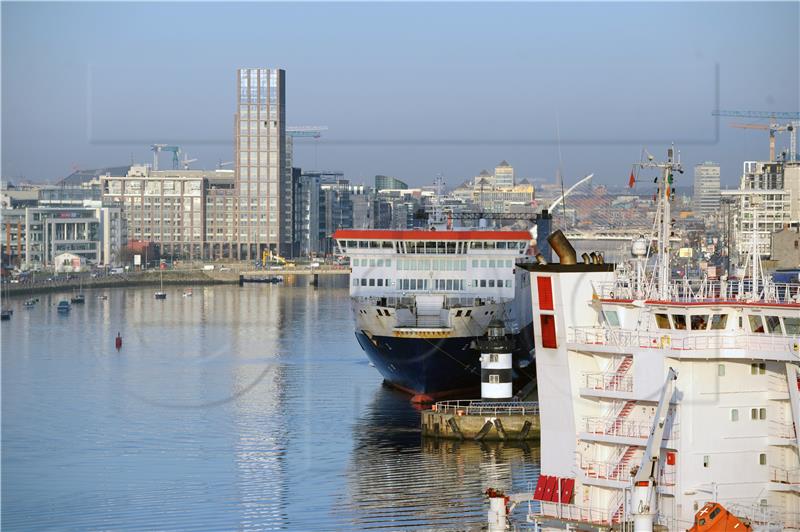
(118, 342)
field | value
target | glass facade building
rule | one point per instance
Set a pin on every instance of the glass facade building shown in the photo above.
(262, 180)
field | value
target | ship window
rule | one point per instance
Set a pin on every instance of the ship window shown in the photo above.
(508, 283)
(734, 414)
(791, 325)
(371, 263)
(449, 284)
(372, 282)
(754, 413)
(721, 370)
(413, 284)
(387, 245)
(491, 283)
(699, 322)
(355, 282)
(719, 321)
(491, 263)
(662, 320)
(355, 262)
(458, 314)
(483, 263)
(386, 282)
(380, 263)
(762, 414)
(363, 282)
(483, 283)
(773, 324)
(755, 324)
(474, 263)
(612, 318)
(494, 379)
(494, 357)
(380, 282)
(762, 459)
(680, 321)
(706, 460)
(388, 263)
(501, 245)
(758, 368)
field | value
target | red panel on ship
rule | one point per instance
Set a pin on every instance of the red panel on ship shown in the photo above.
(545, 289)
(538, 494)
(567, 486)
(551, 489)
(548, 331)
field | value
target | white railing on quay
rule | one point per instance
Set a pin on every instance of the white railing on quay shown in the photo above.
(480, 407)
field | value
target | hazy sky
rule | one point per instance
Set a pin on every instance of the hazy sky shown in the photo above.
(407, 89)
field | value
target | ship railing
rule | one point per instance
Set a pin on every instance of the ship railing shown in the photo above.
(607, 470)
(448, 302)
(764, 515)
(784, 476)
(683, 340)
(479, 407)
(699, 290)
(782, 430)
(608, 381)
(610, 426)
(572, 512)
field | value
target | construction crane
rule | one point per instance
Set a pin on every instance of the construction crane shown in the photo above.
(221, 165)
(186, 161)
(773, 126)
(314, 132)
(176, 155)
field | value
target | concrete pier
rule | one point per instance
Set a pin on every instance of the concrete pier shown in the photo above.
(482, 420)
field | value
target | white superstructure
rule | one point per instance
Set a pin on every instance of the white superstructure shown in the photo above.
(606, 341)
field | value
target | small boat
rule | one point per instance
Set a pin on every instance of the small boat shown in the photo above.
(64, 306)
(31, 302)
(102, 297)
(79, 298)
(187, 292)
(5, 314)
(161, 294)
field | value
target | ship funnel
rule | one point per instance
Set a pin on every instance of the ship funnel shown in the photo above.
(586, 258)
(600, 258)
(562, 247)
(593, 256)
(540, 259)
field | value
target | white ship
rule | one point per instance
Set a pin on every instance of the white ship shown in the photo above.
(658, 396)
(421, 298)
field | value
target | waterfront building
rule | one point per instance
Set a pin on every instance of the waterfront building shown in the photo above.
(190, 214)
(763, 207)
(384, 182)
(706, 189)
(96, 233)
(498, 199)
(263, 179)
(13, 236)
(504, 175)
(306, 213)
(786, 247)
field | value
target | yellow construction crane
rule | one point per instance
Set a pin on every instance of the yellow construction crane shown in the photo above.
(269, 256)
(772, 128)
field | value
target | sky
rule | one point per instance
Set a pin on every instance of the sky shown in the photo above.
(406, 89)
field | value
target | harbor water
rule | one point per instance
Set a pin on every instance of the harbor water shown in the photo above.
(237, 408)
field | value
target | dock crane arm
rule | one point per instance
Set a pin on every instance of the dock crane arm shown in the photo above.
(644, 505)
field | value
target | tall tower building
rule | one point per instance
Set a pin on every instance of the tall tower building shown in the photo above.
(262, 180)
(706, 189)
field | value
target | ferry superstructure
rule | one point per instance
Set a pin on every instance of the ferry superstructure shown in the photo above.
(614, 345)
(421, 298)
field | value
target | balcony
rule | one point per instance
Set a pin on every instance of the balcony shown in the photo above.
(590, 338)
(631, 430)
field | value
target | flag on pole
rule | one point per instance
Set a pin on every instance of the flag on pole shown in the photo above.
(632, 180)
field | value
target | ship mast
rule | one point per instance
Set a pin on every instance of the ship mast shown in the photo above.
(663, 215)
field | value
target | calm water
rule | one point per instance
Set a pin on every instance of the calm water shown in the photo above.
(239, 408)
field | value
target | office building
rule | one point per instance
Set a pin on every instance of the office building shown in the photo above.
(384, 182)
(263, 180)
(504, 175)
(706, 189)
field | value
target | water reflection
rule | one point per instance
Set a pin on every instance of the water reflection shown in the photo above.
(397, 477)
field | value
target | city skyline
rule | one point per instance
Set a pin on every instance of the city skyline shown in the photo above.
(438, 100)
